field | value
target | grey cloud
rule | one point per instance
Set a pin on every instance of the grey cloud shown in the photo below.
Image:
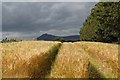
(54, 0)
(36, 17)
(0, 20)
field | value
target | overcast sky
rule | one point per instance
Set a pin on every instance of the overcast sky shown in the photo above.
(32, 19)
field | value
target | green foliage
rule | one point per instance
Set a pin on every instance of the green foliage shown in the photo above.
(59, 39)
(6, 40)
(103, 23)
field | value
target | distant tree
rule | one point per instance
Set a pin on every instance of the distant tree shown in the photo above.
(59, 39)
(103, 24)
(8, 40)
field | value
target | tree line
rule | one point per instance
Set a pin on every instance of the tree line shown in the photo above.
(103, 24)
(6, 40)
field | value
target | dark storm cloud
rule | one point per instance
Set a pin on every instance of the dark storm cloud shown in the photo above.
(0, 20)
(0, 16)
(37, 17)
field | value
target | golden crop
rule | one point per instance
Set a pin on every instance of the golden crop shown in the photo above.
(23, 59)
(70, 62)
(103, 56)
(28, 59)
(0, 61)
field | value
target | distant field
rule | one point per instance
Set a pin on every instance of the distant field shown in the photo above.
(28, 59)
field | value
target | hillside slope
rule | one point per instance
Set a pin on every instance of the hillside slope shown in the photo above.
(52, 37)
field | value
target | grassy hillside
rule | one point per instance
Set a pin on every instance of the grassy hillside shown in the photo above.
(53, 59)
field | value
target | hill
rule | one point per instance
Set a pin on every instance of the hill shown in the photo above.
(66, 38)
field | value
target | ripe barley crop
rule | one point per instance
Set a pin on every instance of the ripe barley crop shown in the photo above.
(26, 58)
(70, 63)
(0, 61)
(74, 60)
(103, 56)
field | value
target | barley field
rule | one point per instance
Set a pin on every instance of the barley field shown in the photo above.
(0, 61)
(52, 59)
(24, 59)
(70, 63)
(103, 56)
